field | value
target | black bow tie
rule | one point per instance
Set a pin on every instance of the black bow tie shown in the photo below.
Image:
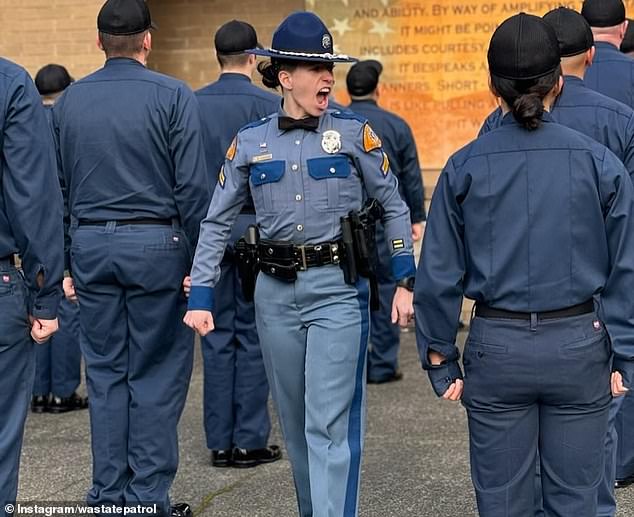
(308, 123)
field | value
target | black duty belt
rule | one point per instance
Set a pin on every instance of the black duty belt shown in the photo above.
(283, 259)
(124, 222)
(8, 261)
(484, 311)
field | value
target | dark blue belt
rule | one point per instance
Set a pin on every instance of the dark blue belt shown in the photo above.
(124, 222)
(484, 311)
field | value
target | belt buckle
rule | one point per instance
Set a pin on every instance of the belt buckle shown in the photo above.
(302, 252)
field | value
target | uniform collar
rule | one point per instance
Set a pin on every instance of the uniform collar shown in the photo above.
(120, 61)
(606, 47)
(282, 113)
(363, 101)
(233, 76)
(573, 79)
(509, 119)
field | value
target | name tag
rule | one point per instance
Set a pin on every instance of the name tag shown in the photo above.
(261, 158)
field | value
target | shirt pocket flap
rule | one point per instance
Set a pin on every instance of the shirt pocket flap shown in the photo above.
(329, 167)
(268, 172)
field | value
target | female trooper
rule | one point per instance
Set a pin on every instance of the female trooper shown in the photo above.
(307, 167)
(532, 221)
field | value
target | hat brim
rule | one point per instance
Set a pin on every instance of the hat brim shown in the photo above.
(302, 56)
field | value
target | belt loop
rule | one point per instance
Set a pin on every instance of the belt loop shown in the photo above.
(111, 226)
(176, 224)
(533, 321)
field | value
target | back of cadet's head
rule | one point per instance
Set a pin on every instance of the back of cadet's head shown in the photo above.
(52, 79)
(363, 78)
(603, 13)
(123, 26)
(231, 40)
(525, 66)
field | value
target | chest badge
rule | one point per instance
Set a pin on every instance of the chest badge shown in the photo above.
(331, 141)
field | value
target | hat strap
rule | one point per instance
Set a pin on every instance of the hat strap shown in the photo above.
(325, 55)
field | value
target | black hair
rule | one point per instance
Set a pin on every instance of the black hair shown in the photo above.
(525, 96)
(271, 69)
(231, 60)
(122, 45)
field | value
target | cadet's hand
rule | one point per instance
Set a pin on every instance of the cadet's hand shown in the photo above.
(616, 383)
(402, 306)
(42, 329)
(417, 231)
(454, 391)
(187, 285)
(201, 321)
(69, 289)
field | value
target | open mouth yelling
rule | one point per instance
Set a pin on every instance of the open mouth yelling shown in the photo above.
(322, 97)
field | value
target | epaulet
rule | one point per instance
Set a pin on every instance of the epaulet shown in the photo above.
(348, 115)
(256, 123)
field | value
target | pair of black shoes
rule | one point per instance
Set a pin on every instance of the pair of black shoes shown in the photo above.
(56, 405)
(181, 510)
(245, 458)
(625, 482)
(396, 376)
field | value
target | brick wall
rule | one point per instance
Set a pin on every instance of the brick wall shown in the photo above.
(183, 45)
(38, 32)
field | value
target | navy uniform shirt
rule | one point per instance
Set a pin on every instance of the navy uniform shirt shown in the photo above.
(302, 182)
(31, 201)
(607, 121)
(130, 146)
(398, 143)
(612, 73)
(226, 106)
(528, 221)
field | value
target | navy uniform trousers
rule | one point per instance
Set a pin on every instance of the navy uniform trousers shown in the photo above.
(236, 389)
(547, 379)
(17, 367)
(384, 335)
(314, 335)
(58, 361)
(138, 355)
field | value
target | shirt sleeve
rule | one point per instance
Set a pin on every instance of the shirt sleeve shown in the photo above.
(373, 165)
(230, 194)
(32, 195)
(411, 177)
(628, 152)
(192, 191)
(616, 301)
(439, 280)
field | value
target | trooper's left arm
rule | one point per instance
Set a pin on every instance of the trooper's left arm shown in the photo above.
(380, 183)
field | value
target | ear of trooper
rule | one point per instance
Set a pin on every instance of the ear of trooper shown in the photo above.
(524, 64)
(575, 38)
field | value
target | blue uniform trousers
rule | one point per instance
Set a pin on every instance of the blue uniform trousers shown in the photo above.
(537, 387)
(138, 356)
(624, 425)
(58, 362)
(314, 334)
(384, 335)
(17, 367)
(236, 389)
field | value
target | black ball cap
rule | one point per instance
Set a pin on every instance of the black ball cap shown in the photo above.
(124, 17)
(52, 79)
(523, 47)
(235, 37)
(363, 77)
(603, 13)
(628, 41)
(573, 31)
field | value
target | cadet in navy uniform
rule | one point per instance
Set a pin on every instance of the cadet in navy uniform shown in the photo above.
(531, 220)
(237, 423)
(398, 143)
(627, 45)
(610, 123)
(612, 72)
(31, 226)
(306, 167)
(131, 153)
(58, 362)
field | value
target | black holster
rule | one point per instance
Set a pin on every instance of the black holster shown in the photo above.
(246, 257)
(358, 230)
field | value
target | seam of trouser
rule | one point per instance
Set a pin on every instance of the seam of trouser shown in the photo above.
(356, 409)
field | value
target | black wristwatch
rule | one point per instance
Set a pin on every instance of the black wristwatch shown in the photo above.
(407, 283)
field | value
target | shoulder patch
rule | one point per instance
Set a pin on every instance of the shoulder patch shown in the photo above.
(231, 152)
(348, 115)
(222, 178)
(255, 123)
(370, 139)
